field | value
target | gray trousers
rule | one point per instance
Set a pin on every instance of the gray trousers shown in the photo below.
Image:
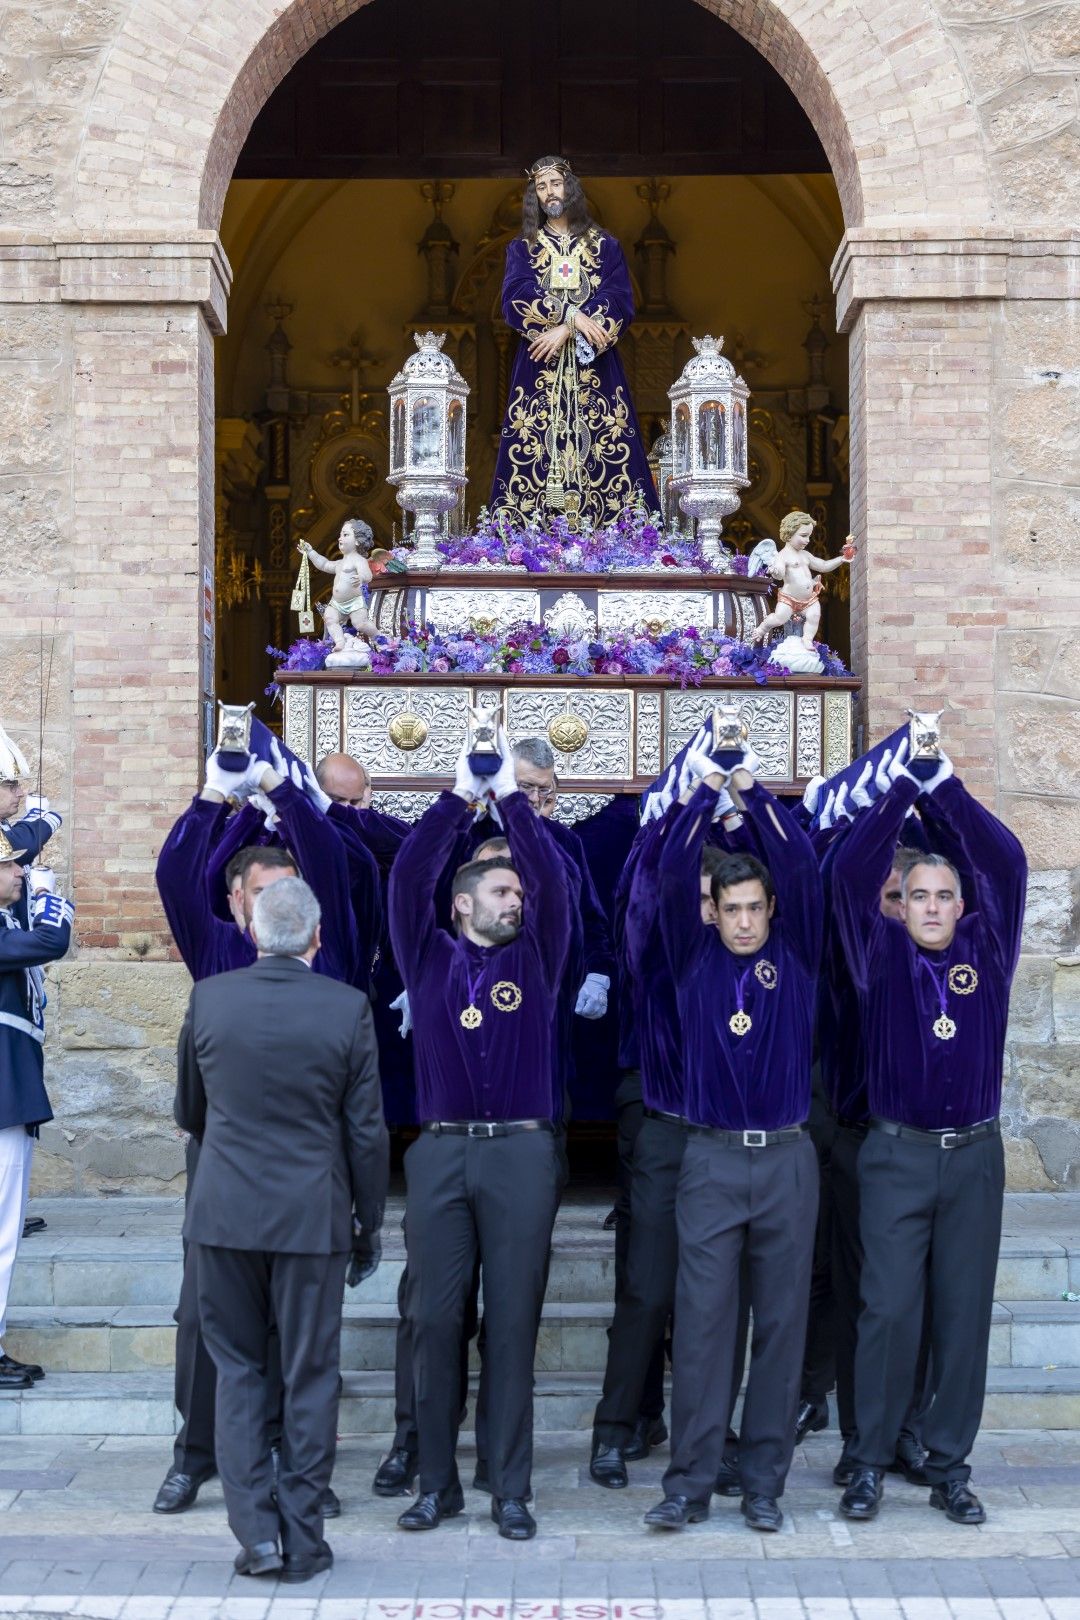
(732, 1202)
(930, 1220)
(493, 1197)
(242, 1292)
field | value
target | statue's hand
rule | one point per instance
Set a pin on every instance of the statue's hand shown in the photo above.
(545, 345)
(591, 331)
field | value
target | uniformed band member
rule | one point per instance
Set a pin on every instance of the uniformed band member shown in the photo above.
(25, 948)
(483, 1175)
(935, 994)
(748, 1181)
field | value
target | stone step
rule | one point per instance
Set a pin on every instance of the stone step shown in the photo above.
(147, 1271)
(140, 1403)
(573, 1336)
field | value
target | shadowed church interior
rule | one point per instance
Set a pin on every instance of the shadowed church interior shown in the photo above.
(375, 197)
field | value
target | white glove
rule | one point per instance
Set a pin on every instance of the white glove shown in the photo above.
(861, 797)
(465, 784)
(504, 781)
(812, 793)
(41, 880)
(882, 780)
(840, 811)
(302, 776)
(219, 780)
(592, 997)
(725, 805)
(701, 764)
(35, 805)
(826, 817)
(267, 806)
(942, 774)
(400, 1004)
(896, 764)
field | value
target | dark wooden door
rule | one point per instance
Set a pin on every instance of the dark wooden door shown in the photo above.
(482, 87)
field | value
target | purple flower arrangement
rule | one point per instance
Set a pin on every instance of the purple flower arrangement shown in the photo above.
(635, 540)
(684, 657)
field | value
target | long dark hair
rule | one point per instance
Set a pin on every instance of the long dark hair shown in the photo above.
(576, 209)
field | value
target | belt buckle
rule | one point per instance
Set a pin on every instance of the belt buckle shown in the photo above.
(949, 1139)
(754, 1138)
(483, 1127)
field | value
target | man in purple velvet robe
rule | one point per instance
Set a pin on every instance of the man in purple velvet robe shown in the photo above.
(934, 990)
(571, 443)
(483, 1176)
(748, 1185)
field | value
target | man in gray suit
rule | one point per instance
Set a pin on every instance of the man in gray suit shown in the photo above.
(278, 1081)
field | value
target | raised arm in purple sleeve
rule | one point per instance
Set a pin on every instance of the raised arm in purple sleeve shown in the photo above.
(539, 865)
(324, 866)
(680, 880)
(788, 853)
(642, 916)
(599, 956)
(415, 874)
(997, 862)
(181, 881)
(862, 862)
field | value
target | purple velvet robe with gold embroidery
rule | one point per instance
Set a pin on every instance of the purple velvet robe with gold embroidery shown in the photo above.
(607, 461)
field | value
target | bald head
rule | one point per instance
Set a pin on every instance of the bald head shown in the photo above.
(344, 780)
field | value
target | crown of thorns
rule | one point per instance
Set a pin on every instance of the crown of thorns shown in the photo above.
(561, 167)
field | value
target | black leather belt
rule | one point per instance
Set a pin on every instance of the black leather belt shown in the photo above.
(858, 1127)
(486, 1127)
(939, 1139)
(751, 1139)
(668, 1119)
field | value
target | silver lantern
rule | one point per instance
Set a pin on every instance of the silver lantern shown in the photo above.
(662, 467)
(427, 442)
(708, 430)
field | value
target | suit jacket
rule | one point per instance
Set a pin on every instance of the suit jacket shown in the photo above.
(278, 1080)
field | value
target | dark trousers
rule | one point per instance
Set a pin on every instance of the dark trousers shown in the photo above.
(494, 1198)
(629, 1117)
(930, 1220)
(645, 1300)
(194, 1376)
(241, 1294)
(819, 1356)
(404, 1410)
(847, 1259)
(731, 1202)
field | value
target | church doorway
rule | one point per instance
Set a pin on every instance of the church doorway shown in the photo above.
(375, 196)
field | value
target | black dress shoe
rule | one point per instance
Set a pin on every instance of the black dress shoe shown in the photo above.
(957, 1502)
(910, 1459)
(762, 1512)
(178, 1491)
(305, 1569)
(611, 1220)
(608, 1468)
(676, 1511)
(728, 1482)
(513, 1518)
(331, 1506)
(429, 1510)
(841, 1474)
(396, 1474)
(261, 1559)
(811, 1416)
(32, 1224)
(15, 1380)
(863, 1496)
(648, 1432)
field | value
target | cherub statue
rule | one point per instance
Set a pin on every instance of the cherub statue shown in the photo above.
(347, 604)
(795, 567)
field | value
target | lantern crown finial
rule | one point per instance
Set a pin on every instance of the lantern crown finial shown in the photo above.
(708, 362)
(429, 340)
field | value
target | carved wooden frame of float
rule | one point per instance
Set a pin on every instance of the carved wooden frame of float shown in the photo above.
(662, 598)
(611, 733)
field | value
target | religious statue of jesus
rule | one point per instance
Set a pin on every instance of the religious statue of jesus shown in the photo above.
(571, 442)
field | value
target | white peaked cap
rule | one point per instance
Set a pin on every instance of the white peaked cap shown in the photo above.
(12, 760)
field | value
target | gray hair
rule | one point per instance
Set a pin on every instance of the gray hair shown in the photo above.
(535, 751)
(284, 918)
(928, 860)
